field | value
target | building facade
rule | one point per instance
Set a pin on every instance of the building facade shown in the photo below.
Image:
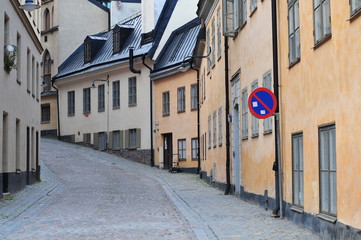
(176, 102)
(19, 96)
(320, 81)
(62, 31)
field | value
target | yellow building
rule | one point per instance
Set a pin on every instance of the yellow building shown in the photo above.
(320, 110)
(176, 102)
(212, 97)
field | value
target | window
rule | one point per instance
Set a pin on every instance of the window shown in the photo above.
(243, 14)
(47, 71)
(244, 114)
(116, 94)
(297, 169)
(213, 51)
(204, 84)
(116, 42)
(46, 19)
(182, 151)
(194, 148)
(253, 5)
(355, 6)
(220, 126)
(18, 58)
(208, 40)
(219, 34)
(293, 32)
(214, 128)
(101, 98)
(255, 121)
(209, 132)
(28, 71)
(165, 103)
(116, 140)
(132, 91)
(133, 138)
(181, 105)
(102, 139)
(6, 29)
(322, 20)
(33, 75)
(86, 100)
(87, 52)
(37, 80)
(328, 194)
(71, 103)
(230, 17)
(45, 113)
(267, 83)
(194, 96)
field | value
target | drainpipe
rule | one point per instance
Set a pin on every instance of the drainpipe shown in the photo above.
(198, 126)
(57, 103)
(151, 114)
(131, 61)
(226, 79)
(277, 163)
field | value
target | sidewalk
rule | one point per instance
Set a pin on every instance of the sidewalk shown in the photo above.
(207, 211)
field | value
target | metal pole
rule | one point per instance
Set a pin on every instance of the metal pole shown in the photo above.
(108, 110)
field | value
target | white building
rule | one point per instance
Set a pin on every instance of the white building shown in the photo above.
(19, 97)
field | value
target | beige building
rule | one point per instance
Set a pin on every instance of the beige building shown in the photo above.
(176, 102)
(62, 31)
(320, 108)
(19, 96)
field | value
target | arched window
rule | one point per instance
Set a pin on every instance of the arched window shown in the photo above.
(47, 71)
(46, 19)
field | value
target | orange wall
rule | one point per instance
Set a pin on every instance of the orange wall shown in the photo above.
(324, 87)
(182, 125)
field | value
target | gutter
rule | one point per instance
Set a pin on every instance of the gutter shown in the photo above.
(57, 106)
(278, 211)
(151, 114)
(228, 157)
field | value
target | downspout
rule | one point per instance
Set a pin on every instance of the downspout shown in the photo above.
(57, 103)
(131, 61)
(226, 79)
(151, 114)
(277, 163)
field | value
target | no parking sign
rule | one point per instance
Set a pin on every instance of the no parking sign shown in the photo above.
(262, 103)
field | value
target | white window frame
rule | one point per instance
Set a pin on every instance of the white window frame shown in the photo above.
(323, 14)
(355, 9)
(101, 97)
(71, 103)
(132, 91)
(255, 121)
(182, 149)
(213, 51)
(215, 129)
(253, 6)
(209, 131)
(244, 113)
(86, 100)
(116, 94)
(194, 97)
(219, 34)
(194, 148)
(297, 170)
(220, 123)
(181, 99)
(294, 43)
(165, 103)
(267, 83)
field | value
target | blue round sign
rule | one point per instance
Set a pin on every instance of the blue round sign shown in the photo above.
(262, 103)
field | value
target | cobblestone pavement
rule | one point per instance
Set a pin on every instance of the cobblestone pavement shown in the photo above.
(101, 196)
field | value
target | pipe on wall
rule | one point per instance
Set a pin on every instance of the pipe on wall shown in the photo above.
(226, 79)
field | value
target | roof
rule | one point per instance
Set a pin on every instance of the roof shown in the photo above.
(180, 45)
(49, 93)
(104, 56)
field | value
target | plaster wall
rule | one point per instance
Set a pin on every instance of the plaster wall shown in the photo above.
(151, 10)
(15, 101)
(214, 86)
(250, 53)
(184, 12)
(122, 118)
(53, 124)
(122, 10)
(182, 125)
(324, 87)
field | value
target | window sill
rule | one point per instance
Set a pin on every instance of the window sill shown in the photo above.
(50, 30)
(182, 160)
(33, 95)
(214, 146)
(220, 145)
(255, 135)
(101, 110)
(244, 138)
(45, 122)
(219, 58)
(71, 115)
(37, 99)
(117, 107)
(294, 63)
(355, 15)
(18, 81)
(267, 132)
(194, 109)
(253, 11)
(297, 209)
(86, 113)
(166, 115)
(322, 41)
(28, 91)
(182, 111)
(194, 159)
(132, 105)
(327, 218)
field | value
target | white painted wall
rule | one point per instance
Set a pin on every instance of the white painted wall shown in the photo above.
(123, 118)
(184, 12)
(151, 10)
(122, 10)
(14, 97)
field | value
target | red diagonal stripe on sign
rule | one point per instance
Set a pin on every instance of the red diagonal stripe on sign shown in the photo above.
(263, 104)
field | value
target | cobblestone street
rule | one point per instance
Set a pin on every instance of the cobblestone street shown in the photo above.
(87, 194)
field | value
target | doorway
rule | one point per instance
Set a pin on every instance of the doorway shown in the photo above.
(167, 150)
(236, 149)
